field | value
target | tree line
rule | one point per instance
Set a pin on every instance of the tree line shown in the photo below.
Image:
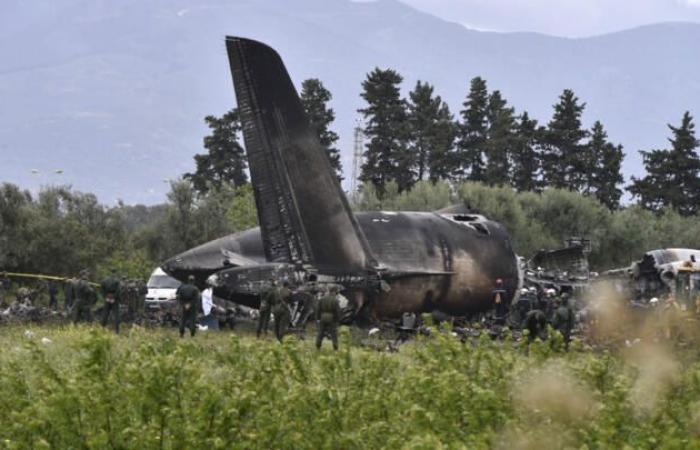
(418, 138)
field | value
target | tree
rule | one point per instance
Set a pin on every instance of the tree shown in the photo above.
(499, 140)
(225, 160)
(472, 131)
(673, 176)
(525, 158)
(432, 133)
(565, 159)
(314, 99)
(386, 156)
(604, 176)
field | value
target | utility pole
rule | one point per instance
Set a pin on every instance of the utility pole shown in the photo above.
(358, 150)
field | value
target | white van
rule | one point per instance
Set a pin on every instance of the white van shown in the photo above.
(161, 287)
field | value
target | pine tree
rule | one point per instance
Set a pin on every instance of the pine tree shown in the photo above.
(673, 176)
(500, 140)
(225, 161)
(432, 133)
(525, 158)
(564, 158)
(387, 156)
(314, 99)
(604, 173)
(472, 132)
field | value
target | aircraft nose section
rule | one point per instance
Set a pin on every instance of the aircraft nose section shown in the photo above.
(175, 266)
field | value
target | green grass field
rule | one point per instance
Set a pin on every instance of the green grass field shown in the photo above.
(88, 388)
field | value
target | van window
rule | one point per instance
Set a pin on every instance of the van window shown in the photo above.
(162, 282)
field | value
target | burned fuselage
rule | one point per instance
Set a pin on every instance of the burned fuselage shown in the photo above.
(430, 261)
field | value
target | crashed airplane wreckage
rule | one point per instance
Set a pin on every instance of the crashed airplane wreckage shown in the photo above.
(659, 273)
(387, 263)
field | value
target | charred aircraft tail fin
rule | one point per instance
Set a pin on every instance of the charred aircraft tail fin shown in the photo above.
(303, 213)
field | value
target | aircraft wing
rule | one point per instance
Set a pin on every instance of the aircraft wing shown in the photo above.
(303, 213)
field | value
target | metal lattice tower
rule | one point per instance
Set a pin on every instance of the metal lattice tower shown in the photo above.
(358, 150)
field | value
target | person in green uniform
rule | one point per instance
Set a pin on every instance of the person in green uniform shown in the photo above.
(563, 318)
(69, 293)
(536, 323)
(189, 297)
(280, 308)
(328, 318)
(85, 298)
(110, 290)
(266, 300)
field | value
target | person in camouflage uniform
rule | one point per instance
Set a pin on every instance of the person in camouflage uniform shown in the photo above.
(536, 323)
(189, 297)
(280, 308)
(266, 300)
(5, 285)
(141, 292)
(111, 291)
(563, 317)
(68, 293)
(85, 298)
(52, 288)
(328, 318)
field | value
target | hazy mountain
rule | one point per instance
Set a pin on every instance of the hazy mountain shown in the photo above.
(114, 92)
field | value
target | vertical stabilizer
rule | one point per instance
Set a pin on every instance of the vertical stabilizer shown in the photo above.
(303, 213)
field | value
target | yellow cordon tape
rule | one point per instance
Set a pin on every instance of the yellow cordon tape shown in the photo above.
(39, 276)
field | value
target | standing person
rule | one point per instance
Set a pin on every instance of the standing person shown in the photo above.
(328, 318)
(207, 306)
(5, 285)
(563, 318)
(500, 306)
(111, 290)
(132, 298)
(124, 294)
(85, 297)
(189, 297)
(53, 294)
(266, 300)
(68, 293)
(671, 313)
(280, 308)
(142, 289)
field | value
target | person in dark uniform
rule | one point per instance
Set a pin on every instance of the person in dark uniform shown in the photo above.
(68, 293)
(328, 318)
(536, 323)
(499, 304)
(52, 287)
(266, 300)
(189, 297)
(280, 308)
(563, 317)
(111, 290)
(85, 298)
(5, 286)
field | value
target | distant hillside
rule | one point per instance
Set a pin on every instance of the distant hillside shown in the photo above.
(114, 92)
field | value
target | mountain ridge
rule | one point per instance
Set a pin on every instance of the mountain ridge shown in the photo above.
(115, 93)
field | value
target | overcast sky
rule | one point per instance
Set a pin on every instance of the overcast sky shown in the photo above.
(571, 18)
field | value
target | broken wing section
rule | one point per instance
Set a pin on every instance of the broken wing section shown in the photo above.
(303, 213)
